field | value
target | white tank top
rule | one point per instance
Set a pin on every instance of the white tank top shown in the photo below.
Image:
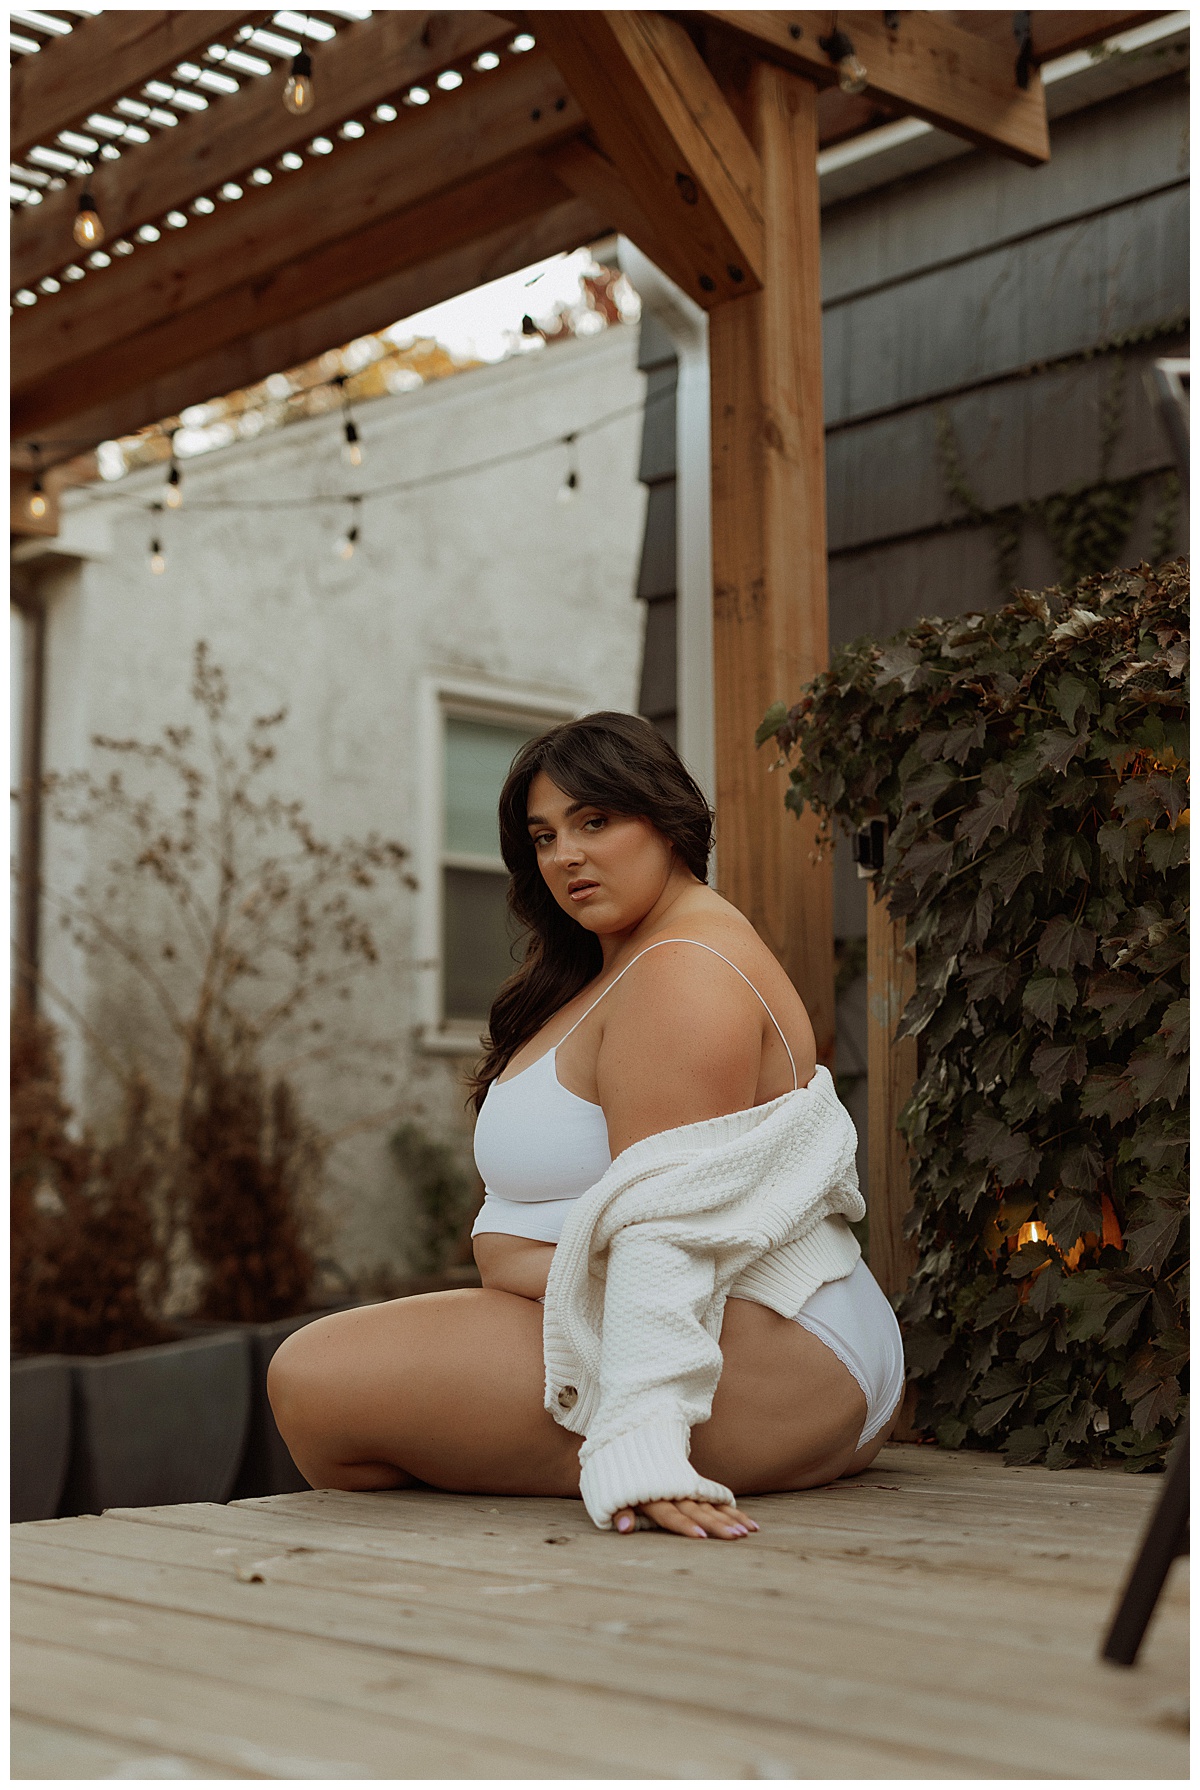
(539, 1147)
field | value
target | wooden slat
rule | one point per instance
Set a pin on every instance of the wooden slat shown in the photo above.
(891, 1074)
(50, 1750)
(926, 67)
(506, 196)
(662, 120)
(244, 361)
(489, 121)
(769, 577)
(362, 65)
(102, 59)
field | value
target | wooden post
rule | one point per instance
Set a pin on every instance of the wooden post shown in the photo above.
(891, 1073)
(770, 598)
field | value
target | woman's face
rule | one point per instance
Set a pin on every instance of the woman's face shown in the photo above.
(606, 870)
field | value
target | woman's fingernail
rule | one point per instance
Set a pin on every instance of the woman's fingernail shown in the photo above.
(738, 1530)
(701, 1533)
(753, 1526)
(624, 1523)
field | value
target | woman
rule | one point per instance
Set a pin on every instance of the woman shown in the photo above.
(646, 1002)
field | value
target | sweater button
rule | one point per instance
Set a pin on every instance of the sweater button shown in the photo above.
(568, 1398)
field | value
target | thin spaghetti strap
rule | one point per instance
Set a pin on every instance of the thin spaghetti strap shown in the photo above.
(733, 966)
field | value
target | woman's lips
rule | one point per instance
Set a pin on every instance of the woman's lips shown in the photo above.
(580, 891)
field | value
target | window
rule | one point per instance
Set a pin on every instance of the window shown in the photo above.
(477, 935)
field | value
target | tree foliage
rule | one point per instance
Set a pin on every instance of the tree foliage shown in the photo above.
(1032, 764)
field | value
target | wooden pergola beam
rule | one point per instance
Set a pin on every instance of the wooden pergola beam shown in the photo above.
(102, 59)
(361, 66)
(1054, 33)
(242, 362)
(924, 67)
(448, 219)
(587, 172)
(663, 122)
(491, 121)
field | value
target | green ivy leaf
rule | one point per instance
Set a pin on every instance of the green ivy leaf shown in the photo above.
(771, 722)
(1156, 1075)
(1150, 1243)
(1175, 1027)
(1009, 866)
(993, 807)
(1066, 942)
(1046, 996)
(1164, 850)
(1121, 999)
(1009, 1153)
(1054, 1065)
(1108, 1094)
(1069, 695)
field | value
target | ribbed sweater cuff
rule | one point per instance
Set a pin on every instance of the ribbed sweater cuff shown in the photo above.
(644, 1464)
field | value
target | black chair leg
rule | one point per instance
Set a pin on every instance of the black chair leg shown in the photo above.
(1165, 1539)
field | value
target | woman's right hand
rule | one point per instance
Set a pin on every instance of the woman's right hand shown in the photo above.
(513, 1264)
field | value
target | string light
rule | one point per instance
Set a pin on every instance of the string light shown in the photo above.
(173, 496)
(351, 447)
(158, 559)
(298, 91)
(852, 75)
(87, 230)
(38, 505)
(570, 484)
(345, 544)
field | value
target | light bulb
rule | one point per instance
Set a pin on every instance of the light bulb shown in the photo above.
(37, 501)
(88, 231)
(352, 449)
(158, 559)
(852, 74)
(298, 92)
(568, 488)
(344, 548)
(173, 496)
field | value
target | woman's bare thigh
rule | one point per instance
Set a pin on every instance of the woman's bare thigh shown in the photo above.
(787, 1413)
(446, 1389)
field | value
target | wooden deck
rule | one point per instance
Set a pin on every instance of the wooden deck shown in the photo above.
(937, 1618)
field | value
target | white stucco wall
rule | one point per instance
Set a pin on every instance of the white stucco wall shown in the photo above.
(485, 579)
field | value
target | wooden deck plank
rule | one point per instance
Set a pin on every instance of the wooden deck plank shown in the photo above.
(938, 1617)
(605, 1724)
(48, 1750)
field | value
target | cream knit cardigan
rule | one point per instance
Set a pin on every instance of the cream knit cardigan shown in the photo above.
(754, 1205)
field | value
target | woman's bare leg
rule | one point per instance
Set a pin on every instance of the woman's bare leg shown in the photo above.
(445, 1388)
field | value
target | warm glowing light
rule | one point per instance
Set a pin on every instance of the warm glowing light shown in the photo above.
(352, 450)
(88, 231)
(344, 548)
(1032, 1233)
(173, 496)
(158, 559)
(38, 507)
(298, 92)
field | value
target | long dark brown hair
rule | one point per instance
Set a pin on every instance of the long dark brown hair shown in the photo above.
(623, 764)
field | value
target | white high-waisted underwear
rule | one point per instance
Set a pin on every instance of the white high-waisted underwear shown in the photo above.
(853, 1318)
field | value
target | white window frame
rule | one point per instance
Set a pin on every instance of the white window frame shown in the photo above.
(441, 697)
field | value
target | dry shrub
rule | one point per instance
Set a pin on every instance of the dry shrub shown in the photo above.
(88, 1260)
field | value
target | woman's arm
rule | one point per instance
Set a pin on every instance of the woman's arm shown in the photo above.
(682, 1042)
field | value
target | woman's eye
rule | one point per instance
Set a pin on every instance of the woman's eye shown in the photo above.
(597, 820)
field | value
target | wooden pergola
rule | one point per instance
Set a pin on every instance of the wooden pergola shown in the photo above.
(694, 134)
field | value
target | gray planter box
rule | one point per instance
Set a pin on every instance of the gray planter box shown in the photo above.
(40, 1431)
(162, 1425)
(267, 1468)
